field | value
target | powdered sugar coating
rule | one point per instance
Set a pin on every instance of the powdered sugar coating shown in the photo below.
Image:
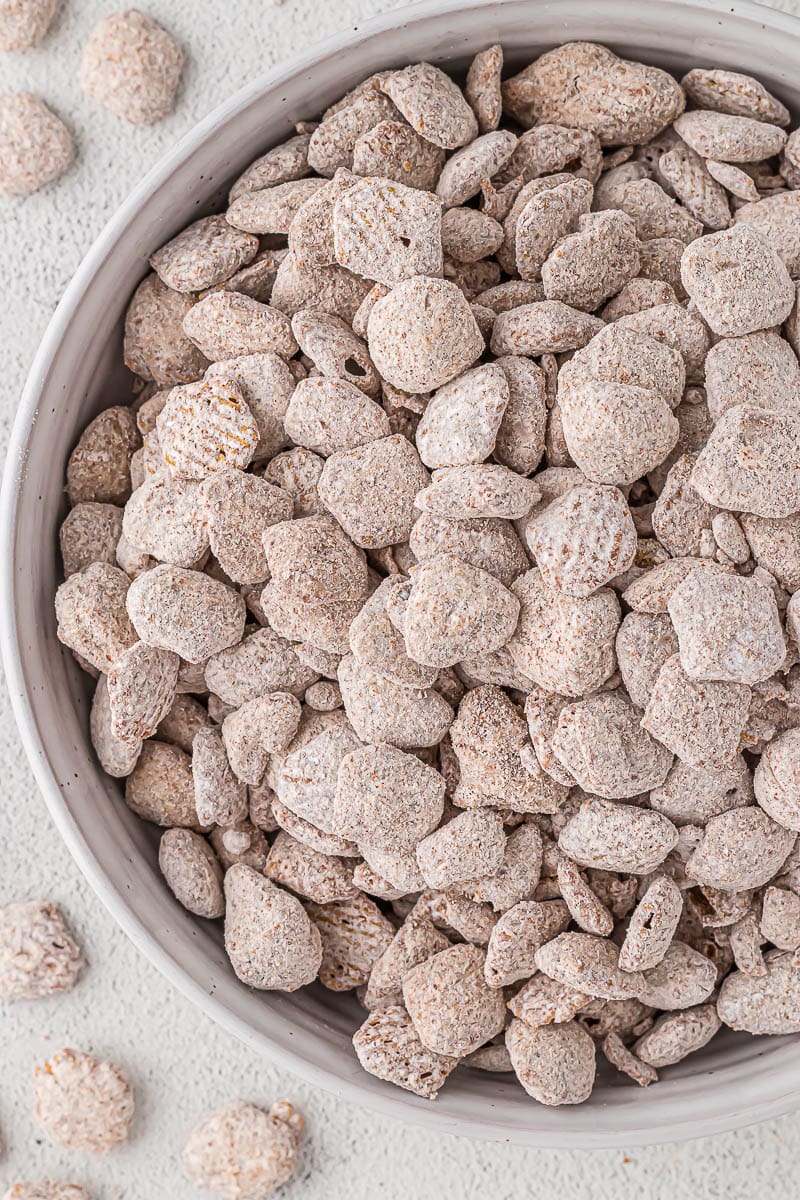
(132, 67)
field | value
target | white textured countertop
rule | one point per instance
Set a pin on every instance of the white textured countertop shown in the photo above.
(183, 1066)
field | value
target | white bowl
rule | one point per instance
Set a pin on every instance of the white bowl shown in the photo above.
(737, 1079)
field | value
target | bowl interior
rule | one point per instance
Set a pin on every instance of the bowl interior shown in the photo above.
(78, 372)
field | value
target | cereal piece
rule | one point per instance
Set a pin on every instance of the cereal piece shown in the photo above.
(461, 422)
(544, 213)
(318, 877)
(776, 218)
(323, 696)
(741, 848)
(644, 643)
(117, 758)
(306, 779)
(623, 102)
(588, 964)
(637, 295)
(335, 350)
(487, 738)
(467, 847)
(35, 145)
(734, 179)
(469, 235)
(554, 1063)
(185, 611)
(423, 334)
(749, 463)
(453, 1009)
(583, 539)
(520, 871)
(393, 150)
(737, 281)
(203, 255)
(759, 368)
(616, 432)
(655, 214)
(627, 1062)
(385, 231)
(270, 940)
(729, 92)
(38, 954)
(379, 646)
(777, 779)
(240, 843)
(386, 798)
(256, 279)
(160, 787)
(616, 837)
(729, 536)
(700, 721)
(297, 471)
(587, 911)
(769, 1004)
(489, 544)
(92, 621)
(695, 187)
(23, 24)
(432, 104)
(601, 743)
(492, 1057)
(520, 438)
(99, 466)
(332, 288)
(482, 88)
(453, 610)
(355, 934)
(676, 1035)
(286, 161)
(746, 940)
(132, 67)
(548, 327)
(728, 628)
(521, 930)
(651, 591)
(692, 795)
(206, 427)
(542, 1001)
(587, 267)
(192, 872)
(461, 917)
(271, 210)
(220, 799)
(563, 643)
(89, 533)
(331, 415)
(464, 172)
(164, 518)
(263, 662)
(548, 149)
(682, 979)
(237, 508)
(242, 1152)
(261, 727)
(388, 1046)
(371, 488)
(732, 138)
(266, 384)
(228, 324)
(780, 918)
(675, 327)
(141, 688)
(479, 490)
(332, 143)
(83, 1103)
(155, 345)
(652, 926)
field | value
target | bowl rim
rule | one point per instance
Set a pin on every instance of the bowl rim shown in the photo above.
(387, 1102)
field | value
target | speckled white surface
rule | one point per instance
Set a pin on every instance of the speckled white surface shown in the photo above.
(182, 1065)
